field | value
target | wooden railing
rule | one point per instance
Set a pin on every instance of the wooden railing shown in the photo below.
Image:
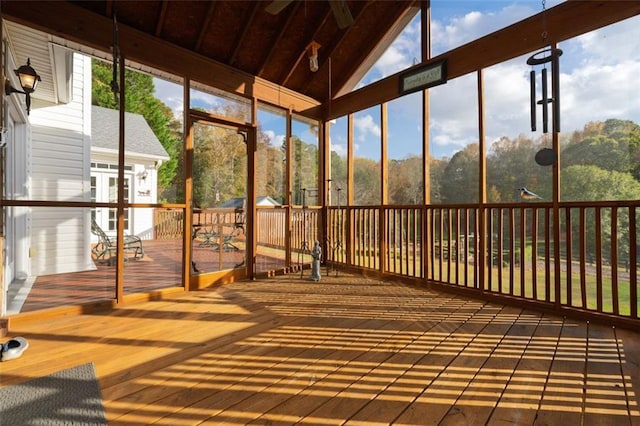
(584, 260)
(304, 228)
(271, 229)
(168, 223)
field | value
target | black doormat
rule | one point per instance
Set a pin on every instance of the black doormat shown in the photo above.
(68, 397)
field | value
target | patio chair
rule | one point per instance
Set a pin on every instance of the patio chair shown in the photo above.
(104, 251)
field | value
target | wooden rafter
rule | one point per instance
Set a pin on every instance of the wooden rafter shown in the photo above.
(108, 8)
(276, 43)
(205, 26)
(243, 34)
(160, 22)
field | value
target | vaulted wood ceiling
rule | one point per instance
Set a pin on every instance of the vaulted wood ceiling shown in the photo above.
(246, 36)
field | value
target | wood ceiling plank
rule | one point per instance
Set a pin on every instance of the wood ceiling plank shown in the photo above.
(205, 26)
(249, 23)
(275, 46)
(160, 22)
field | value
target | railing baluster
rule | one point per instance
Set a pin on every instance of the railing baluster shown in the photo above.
(523, 246)
(449, 224)
(465, 267)
(534, 253)
(583, 255)
(512, 257)
(500, 248)
(614, 260)
(598, 231)
(633, 262)
(569, 255)
(489, 247)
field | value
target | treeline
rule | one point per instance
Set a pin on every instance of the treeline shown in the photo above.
(600, 162)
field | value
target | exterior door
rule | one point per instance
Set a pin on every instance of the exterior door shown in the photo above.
(104, 188)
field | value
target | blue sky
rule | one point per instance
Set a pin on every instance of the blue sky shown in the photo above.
(598, 81)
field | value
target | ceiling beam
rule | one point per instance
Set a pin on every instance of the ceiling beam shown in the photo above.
(508, 43)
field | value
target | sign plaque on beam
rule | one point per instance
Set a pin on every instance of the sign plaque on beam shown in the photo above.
(424, 77)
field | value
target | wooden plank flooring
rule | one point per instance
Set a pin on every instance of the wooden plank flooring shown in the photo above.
(347, 350)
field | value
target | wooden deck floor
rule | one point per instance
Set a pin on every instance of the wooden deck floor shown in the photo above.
(347, 350)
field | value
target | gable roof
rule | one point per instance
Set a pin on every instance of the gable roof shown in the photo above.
(139, 138)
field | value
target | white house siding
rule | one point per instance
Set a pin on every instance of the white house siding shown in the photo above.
(60, 159)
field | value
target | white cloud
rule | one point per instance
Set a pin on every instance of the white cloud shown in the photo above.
(459, 30)
(270, 134)
(610, 45)
(274, 139)
(365, 127)
(341, 150)
(171, 94)
(598, 81)
(597, 93)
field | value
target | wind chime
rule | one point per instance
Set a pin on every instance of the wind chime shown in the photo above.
(549, 55)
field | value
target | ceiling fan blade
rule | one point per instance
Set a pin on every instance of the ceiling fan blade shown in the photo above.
(342, 13)
(276, 6)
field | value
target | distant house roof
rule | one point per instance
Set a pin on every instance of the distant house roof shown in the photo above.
(139, 138)
(238, 203)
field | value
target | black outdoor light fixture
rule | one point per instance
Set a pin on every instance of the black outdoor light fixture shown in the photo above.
(29, 78)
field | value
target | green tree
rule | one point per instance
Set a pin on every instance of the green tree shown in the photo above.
(436, 173)
(610, 145)
(511, 165)
(460, 178)
(591, 183)
(338, 179)
(140, 99)
(366, 181)
(305, 170)
(405, 180)
(270, 169)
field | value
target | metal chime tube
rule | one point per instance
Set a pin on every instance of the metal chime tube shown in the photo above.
(532, 84)
(545, 101)
(555, 89)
